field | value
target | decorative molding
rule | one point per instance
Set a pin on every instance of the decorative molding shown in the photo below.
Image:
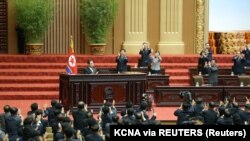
(200, 25)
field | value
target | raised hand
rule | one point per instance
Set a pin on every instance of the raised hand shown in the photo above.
(85, 107)
(247, 100)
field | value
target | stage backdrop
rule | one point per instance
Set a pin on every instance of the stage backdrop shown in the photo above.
(67, 23)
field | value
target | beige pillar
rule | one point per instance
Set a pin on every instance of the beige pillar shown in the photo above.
(135, 25)
(171, 27)
(201, 31)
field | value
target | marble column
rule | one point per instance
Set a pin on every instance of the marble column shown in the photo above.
(135, 25)
(171, 27)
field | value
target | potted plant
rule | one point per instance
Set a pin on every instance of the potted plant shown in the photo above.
(34, 17)
(97, 19)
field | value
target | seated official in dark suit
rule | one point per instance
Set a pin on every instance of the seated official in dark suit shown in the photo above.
(90, 68)
(121, 61)
(212, 72)
(239, 64)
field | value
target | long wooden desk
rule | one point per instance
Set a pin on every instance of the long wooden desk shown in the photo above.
(130, 69)
(151, 82)
(221, 72)
(93, 89)
(156, 80)
(170, 96)
(223, 80)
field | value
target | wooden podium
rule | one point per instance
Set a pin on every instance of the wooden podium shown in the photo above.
(93, 89)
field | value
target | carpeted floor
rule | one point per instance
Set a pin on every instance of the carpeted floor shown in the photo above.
(163, 113)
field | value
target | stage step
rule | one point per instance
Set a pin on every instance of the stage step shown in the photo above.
(179, 79)
(36, 95)
(29, 79)
(32, 72)
(29, 87)
(37, 76)
(177, 72)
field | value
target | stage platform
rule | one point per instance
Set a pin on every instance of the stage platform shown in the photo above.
(35, 78)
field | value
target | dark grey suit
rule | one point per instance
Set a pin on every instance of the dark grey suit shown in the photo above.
(91, 70)
(213, 75)
(121, 63)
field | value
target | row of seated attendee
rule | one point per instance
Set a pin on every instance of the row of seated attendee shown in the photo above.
(229, 112)
(148, 59)
(81, 126)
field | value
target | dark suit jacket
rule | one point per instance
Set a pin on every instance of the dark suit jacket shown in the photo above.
(213, 75)
(121, 64)
(201, 63)
(247, 55)
(80, 117)
(239, 65)
(13, 124)
(145, 57)
(93, 137)
(210, 117)
(89, 71)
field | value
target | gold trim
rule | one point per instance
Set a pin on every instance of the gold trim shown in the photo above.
(200, 25)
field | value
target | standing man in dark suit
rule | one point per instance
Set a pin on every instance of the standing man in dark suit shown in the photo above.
(208, 52)
(90, 68)
(145, 55)
(121, 61)
(80, 116)
(246, 52)
(201, 63)
(239, 64)
(209, 114)
(212, 72)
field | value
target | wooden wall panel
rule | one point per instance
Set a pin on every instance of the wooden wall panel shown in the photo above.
(66, 23)
(3, 26)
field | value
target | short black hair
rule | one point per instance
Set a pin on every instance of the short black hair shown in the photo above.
(28, 120)
(211, 104)
(91, 122)
(69, 131)
(6, 108)
(89, 60)
(13, 110)
(115, 118)
(123, 49)
(198, 100)
(105, 110)
(34, 106)
(129, 104)
(53, 102)
(95, 128)
(58, 106)
(186, 105)
(130, 111)
(80, 105)
(39, 112)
